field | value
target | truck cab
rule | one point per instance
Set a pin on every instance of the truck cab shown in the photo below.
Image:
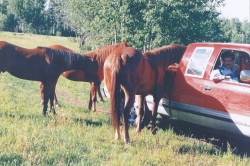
(193, 97)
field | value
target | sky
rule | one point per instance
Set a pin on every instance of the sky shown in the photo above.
(236, 9)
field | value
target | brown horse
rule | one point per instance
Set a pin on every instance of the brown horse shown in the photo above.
(79, 75)
(44, 65)
(129, 70)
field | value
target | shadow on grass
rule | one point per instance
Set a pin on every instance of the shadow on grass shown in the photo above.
(87, 122)
(235, 145)
(11, 159)
(20, 116)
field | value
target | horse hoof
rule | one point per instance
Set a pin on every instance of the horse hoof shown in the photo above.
(136, 122)
(154, 130)
(58, 105)
(127, 141)
(94, 111)
(138, 131)
(103, 101)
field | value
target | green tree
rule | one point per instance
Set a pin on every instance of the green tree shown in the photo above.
(8, 21)
(30, 13)
(145, 24)
(245, 28)
(235, 31)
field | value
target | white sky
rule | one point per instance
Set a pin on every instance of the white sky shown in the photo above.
(236, 9)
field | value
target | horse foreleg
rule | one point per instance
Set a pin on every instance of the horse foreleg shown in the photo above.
(51, 97)
(140, 113)
(100, 94)
(56, 103)
(52, 108)
(90, 100)
(147, 114)
(42, 93)
(45, 98)
(154, 114)
(54, 91)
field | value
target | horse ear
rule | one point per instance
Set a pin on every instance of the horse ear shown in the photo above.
(125, 43)
(46, 52)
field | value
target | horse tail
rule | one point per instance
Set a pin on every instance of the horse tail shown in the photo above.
(115, 97)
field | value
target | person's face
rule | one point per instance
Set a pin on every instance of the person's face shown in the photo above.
(228, 62)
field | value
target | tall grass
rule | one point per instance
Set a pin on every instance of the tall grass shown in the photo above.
(78, 137)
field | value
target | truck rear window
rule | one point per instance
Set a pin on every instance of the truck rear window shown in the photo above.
(198, 61)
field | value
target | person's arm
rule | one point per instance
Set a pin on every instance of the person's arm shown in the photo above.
(216, 76)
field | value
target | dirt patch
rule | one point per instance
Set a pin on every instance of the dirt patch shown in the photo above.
(74, 101)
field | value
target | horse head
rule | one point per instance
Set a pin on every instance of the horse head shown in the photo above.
(92, 70)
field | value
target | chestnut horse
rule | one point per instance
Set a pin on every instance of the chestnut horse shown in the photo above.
(79, 75)
(45, 65)
(129, 70)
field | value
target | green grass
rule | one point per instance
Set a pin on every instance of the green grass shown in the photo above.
(78, 137)
(32, 41)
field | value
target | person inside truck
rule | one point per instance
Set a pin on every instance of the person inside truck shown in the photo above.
(227, 70)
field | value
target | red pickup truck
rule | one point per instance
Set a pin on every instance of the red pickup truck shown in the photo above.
(191, 96)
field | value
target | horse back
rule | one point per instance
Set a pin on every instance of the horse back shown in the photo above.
(21, 62)
(60, 47)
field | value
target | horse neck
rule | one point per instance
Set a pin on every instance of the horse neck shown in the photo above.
(165, 57)
(102, 55)
(69, 60)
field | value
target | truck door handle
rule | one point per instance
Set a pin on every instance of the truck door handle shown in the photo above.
(207, 88)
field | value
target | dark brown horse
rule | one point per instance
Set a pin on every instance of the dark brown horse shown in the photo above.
(79, 75)
(129, 70)
(44, 65)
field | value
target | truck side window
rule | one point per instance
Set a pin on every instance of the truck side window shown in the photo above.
(239, 62)
(198, 61)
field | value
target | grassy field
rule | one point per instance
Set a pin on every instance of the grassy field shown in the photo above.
(78, 137)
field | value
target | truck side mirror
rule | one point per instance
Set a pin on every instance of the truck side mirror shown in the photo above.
(245, 76)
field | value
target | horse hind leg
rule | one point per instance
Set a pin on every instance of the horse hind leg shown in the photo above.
(92, 97)
(129, 101)
(140, 113)
(52, 108)
(117, 133)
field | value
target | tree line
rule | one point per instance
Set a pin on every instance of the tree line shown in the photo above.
(145, 24)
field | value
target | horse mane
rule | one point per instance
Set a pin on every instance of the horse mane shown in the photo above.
(58, 56)
(102, 53)
(165, 55)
